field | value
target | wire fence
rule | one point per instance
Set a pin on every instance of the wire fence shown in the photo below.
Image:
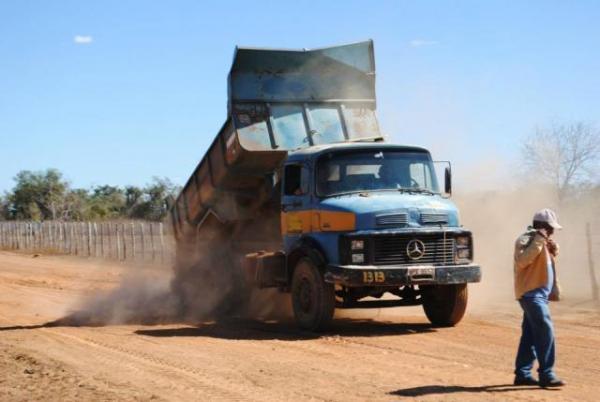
(122, 241)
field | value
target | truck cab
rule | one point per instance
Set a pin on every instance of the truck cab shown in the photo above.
(299, 191)
(377, 224)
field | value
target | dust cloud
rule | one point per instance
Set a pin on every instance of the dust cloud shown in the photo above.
(497, 217)
(204, 284)
(158, 295)
(143, 297)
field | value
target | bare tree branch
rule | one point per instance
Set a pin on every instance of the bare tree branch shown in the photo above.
(566, 156)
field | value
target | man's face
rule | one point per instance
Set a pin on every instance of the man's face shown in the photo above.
(548, 229)
(544, 228)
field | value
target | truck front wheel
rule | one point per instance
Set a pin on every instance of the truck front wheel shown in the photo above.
(445, 305)
(313, 299)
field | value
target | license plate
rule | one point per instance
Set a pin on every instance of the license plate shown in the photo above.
(421, 273)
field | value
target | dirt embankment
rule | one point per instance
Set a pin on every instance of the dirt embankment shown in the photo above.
(388, 354)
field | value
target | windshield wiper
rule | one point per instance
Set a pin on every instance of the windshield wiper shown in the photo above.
(419, 190)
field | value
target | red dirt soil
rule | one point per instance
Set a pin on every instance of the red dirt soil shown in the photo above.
(390, 354)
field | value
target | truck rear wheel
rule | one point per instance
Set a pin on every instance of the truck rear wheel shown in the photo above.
(313, 299)
(445, 305)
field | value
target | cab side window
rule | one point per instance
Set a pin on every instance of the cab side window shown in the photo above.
(293, 180)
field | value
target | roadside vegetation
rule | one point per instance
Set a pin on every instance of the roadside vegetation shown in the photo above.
(47, 195)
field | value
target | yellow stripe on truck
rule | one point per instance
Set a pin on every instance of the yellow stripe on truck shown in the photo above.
(310, 221)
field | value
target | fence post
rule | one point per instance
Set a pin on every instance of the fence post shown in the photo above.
(49, 237)
(124, 237)
(162, 242)
(61, 238)
(95, 240)
(593, 279)
(89, 239)
(67, 229)
(72, 244)
(100, 235)
(76, 240)
(143, 241)
(31, 236)
(132, 241)
(42, 241)
(152, 241)
(118, 241)
(18, 238)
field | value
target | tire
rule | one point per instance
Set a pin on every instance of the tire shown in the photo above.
(313, 300)
(445, 305)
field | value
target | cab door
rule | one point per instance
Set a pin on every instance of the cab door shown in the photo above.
(295, 201)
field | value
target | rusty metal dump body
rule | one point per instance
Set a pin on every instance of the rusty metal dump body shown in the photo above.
(279, 100)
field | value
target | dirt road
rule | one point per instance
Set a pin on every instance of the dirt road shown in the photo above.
(371, 355)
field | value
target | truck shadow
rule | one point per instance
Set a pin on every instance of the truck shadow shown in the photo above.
(240, 329)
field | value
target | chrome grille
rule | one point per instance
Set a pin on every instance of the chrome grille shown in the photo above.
(431, 219)
(392, 219)
(391, 250)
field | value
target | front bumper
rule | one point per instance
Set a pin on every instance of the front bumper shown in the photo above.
(371, 275)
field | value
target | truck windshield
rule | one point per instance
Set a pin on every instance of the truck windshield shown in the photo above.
(375, 170)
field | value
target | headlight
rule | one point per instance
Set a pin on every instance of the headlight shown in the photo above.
(357, 245)
(358, 258)
(463, 241)
(463, 253)
(463, 248)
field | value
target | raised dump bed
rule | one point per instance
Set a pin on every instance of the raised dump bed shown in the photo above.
(279, 100)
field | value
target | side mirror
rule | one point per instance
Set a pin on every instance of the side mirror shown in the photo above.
(448, 181)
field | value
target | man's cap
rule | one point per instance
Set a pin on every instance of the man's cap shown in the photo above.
(547, 215)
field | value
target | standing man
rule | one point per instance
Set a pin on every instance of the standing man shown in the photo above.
(535, 285)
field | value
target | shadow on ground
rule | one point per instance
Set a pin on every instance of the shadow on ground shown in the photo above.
(453, 389)
(259, 330)
(239, 328)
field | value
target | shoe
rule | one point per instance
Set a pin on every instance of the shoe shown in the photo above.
(552, 383)
(525, 381)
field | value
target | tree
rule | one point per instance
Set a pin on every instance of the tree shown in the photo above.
(133, 198)
(46, 195)
(3, 208)
(565, 156)
(153, 203)
(76, 206)
(38, 195)
(106, 202)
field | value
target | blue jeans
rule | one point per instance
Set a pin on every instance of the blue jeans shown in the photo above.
(537, 339)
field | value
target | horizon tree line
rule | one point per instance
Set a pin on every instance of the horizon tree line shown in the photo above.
(47, 195)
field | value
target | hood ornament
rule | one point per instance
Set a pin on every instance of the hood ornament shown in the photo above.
(415, 249)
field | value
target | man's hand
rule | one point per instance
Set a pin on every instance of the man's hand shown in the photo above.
(552, 247)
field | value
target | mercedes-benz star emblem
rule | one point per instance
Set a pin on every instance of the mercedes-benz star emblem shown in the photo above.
(415, 249)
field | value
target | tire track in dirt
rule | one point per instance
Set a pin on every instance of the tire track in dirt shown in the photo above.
(196, 381)
(169, 375)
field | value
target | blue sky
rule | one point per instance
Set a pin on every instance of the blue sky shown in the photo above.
(116, 92)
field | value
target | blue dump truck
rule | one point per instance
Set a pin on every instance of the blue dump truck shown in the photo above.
(300, 192)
